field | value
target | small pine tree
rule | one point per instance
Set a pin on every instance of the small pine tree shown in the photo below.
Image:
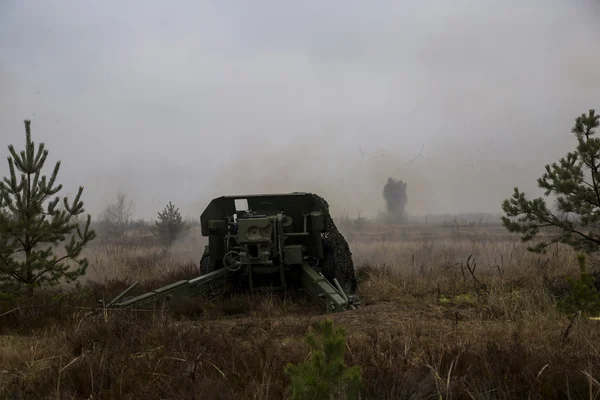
(583, 296)
(170, 224)
(575, 181)
(325, 375)
(31, 220)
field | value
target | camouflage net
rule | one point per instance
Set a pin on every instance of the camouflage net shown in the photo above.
(340, 265)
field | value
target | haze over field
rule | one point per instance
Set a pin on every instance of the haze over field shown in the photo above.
(190, 100)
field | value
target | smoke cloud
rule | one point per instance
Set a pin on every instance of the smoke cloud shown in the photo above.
(461, 100)
(394, 193)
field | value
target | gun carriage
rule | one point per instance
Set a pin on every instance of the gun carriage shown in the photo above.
(268, 242)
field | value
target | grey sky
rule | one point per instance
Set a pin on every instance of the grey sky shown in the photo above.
(146, 97)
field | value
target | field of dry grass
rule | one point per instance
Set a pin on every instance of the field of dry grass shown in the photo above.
(432, 325)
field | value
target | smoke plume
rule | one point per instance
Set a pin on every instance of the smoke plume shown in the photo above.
(394, 193)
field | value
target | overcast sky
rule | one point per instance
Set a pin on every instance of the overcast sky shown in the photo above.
(188, 100)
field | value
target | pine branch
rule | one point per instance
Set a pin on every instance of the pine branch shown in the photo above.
(575, 196)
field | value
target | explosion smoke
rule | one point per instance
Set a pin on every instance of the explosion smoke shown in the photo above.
(394, 194)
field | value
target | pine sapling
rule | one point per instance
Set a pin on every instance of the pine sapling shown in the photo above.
(325, 375)
(169, 225)
(32, 224)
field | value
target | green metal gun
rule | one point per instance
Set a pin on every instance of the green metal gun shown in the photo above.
(268, 242)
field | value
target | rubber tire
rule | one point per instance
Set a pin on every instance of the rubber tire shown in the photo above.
(207, 266)
(328, 265)
(330, 270)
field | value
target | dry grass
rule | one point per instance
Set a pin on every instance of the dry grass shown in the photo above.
(428, 328)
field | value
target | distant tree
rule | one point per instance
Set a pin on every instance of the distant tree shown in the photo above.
(117, 216)
(32, 224)
(169, 225)
(575, 182)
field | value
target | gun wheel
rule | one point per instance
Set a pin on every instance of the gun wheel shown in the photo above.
(207, 266)
(332, 267)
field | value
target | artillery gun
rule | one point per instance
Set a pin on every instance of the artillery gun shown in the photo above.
(269, 242)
